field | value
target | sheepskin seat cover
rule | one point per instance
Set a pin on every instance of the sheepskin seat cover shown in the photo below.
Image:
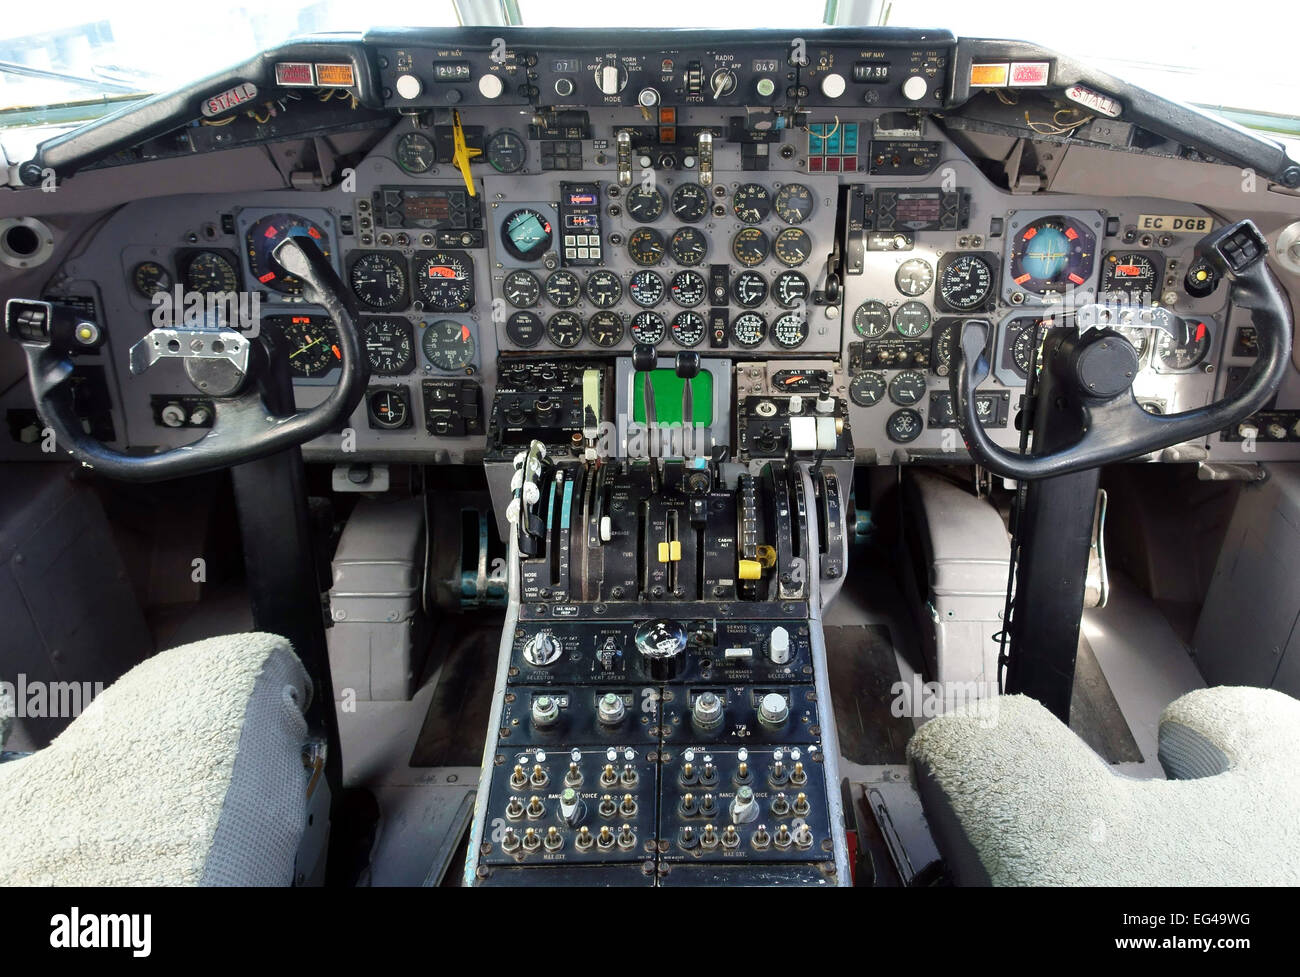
(188, 770)
(1015, 798)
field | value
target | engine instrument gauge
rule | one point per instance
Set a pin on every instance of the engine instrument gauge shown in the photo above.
(646, 289)
(563, 289)
(965, 282)
(946, 336)
(871, 319)
(1019, 350)
(790, 288)
(444, 280)
(388, 344)
(749, 329)
(790, 330)
(867, 388)
(604, 289)
(526, 234)
(914, 277)
(449, 345)
(414, 153)
(644, 205)
(792, 247)
(911, 320)
(564, 329)
(262, 239)
(522, 289)
(1140, 338)
(1052, 254)
(687, 288)
(794, 203)
(907, 388)
(751, 203)
(750, 246)
(688, 246)
(506, 151)
(648, 327)
(605, 329)
(904, 425)
(690, 202)
(312, 342)
(378, 279)
(525, 329)
(688, 328)
(646, 246)
(1134, 274)
(210, 273)
(749, 289)
(1188, 349)
(148, 278)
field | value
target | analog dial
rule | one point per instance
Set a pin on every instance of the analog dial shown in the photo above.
(1131, 273)
(388, 344)
(604, 289)
(751, 203)
(749, 289)
(210, 272)
(904, 425)
(965, 283)
(506, 151)
(525, 329)
(749, 329)
(648, 327)
(1051, 255)
(646, 289)
(646, 246)
(644, 204)
(1186, 350)
(522, 289)
(263, 238)
(867, 388)
(911, 320)
(907, 388)
(312, 342)
(148, 278)
(914, 277)
(687, 288)
(378, 280)
(605, 329)
(689, 246)
(564, 329)
(444, 280)
(563, 289)
(792, 247)
(871, 319)
(688, 328)
(526, 234)
(415, 153)
(790, 330)
(388, 408)
(449, 345)
(790, 288)
(794, 203)
(690, 203)
(750, 246)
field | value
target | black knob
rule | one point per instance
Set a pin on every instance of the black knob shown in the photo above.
(661, 644)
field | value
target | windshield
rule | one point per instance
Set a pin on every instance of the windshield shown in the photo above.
(79, 58)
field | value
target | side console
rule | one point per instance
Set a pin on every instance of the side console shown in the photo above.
(662, 714)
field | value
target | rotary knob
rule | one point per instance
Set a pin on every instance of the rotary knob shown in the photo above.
(661, 644)
(541, 649)
(707, 711)
(773, 710)
(546, 711)
(610, 77)
(611, 709)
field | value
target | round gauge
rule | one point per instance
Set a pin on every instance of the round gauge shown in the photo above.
(871, 319)
(751, 203)
(526, 234)
(911, 319)
(749, 289)
(262, 239)
(749, 329)
(388, 345)
(907, 388)
(313, 344)
(794, 203)
(1020, 334)
(506, 151)
(687, 288)
(525, 329)
(690, 202)
(688, 328)
(646, 289)
(867, 388)
(522, 289)
(149, 278)
(792, 247)
(388, 408)
(644, 204)
(790, 330)
(564, 329)
(415, 153)
(1052, 254)
(444, 280)
(945, 338)
(645, 246)
(904, 425)
(1130, 273)
(563, 289)
(604, 289)
(378, 279)
(914, 277)
(790, 288)
(648, 327)
(1138, 337)
(1188, 349)
(449, 345)
(210, 273)
(965, 283)
(750, 246)
(689, 246)
(605, 329)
